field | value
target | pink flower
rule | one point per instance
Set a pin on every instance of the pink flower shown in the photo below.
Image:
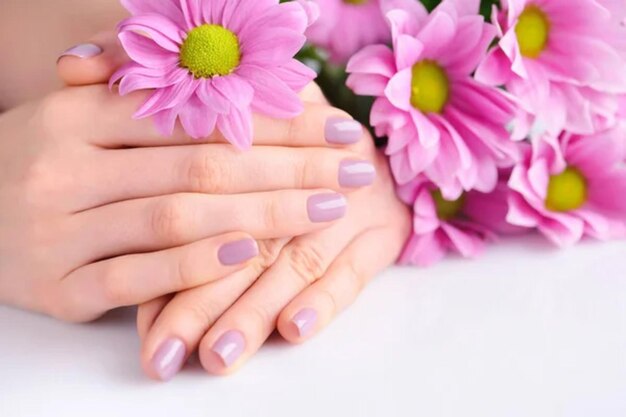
(212, 62)
(439, 120)
(564, 60)
(346, 26)
(571, 187)
(461, 226)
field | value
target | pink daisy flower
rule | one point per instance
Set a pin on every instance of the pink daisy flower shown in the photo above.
(211, 63)
(571, 187)
(346, 26)
(439, 120)
(562, 59)
(462, 226)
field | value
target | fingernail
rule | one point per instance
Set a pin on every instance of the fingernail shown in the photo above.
(235, 253)
(326, 207)
(84, 50)
(230, 346)
(354, 173)
(168, 359)
(305, 321)
(343, 131)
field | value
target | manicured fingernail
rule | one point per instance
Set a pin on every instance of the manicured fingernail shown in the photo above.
(84, 50)
(235, 253)
(354, 173)
(169, 359)
(342, 131)
(230, 346)
(326, 207)
(305, 321)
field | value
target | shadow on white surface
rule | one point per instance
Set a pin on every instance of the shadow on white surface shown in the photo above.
(524, 331)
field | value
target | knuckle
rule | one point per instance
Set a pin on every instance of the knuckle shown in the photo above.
(331, 300)
(205, 173)
(303, 172)
(262, 316)
(186, 274)
(272, 213)
(202, 312)
(269, 251)
(307, 262)
(168, 219)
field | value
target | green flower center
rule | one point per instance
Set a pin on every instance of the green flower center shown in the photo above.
(430, 87)
(355, 2)
(210, 51)
(533, 31)
(566, 191)
(447, 209)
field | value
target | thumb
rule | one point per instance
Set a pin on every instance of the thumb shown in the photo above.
(93, 62)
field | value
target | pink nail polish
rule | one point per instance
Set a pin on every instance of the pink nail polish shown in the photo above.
(85, 50)
(235, 253)
(230, 346)
(355, 173)
(305, 321)
(169, 358)
(328, 207)
(343, 131)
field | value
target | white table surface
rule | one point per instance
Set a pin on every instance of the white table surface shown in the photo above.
(524, 331)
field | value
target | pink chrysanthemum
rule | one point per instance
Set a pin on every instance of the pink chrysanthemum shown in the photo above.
(571, 187)
(462, 226)
(564, 60)
(439, 120)
(213, 62)
(346, 26)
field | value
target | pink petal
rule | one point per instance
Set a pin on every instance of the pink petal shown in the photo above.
(236, 126)
(197, 120)
(145, 52)
(271, 95)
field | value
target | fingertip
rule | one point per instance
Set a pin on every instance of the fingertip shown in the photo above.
(298, 326)
(166, 361)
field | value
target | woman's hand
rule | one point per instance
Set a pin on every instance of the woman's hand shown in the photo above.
(302, 285)
(96, 213)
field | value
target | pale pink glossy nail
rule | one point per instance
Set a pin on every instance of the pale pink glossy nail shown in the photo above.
(326, 207)
(235, 253)
(230, 346)
(169, 358)
(305, 321)
(355, 173)
(84, 50)
(343, 131)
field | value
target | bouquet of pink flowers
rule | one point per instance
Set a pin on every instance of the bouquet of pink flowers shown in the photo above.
(497, 117)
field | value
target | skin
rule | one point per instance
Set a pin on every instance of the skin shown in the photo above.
(64, 183)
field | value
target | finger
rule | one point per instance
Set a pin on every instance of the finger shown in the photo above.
(151, 224)
(134, 279)
(187, 317)
(221, 169)
(147, 313)
(316, 306)
(93, 62)
(247, 324)
(109, 118)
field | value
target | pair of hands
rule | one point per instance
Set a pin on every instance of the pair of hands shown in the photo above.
(99, 211)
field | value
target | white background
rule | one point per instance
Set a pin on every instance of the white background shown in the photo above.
(524, 331)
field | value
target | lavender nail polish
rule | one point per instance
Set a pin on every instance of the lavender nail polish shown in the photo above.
(354, 173)
(230, 346)
(305, 321)
(342, 131)
(326, 207)
(168, 359)
(235, 253)
(84, 50)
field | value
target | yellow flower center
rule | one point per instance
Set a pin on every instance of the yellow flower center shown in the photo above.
(430, 87)
(447, 209)
(209, 51)
(533, 31)
(566, 191)
(355, 2)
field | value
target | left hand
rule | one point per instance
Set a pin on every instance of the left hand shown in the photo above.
(296, 286)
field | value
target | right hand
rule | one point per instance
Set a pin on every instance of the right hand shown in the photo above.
(96, 212)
